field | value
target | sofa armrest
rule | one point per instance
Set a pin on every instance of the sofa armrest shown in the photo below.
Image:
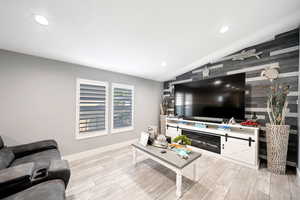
(60, 169)
(26, 149)
(50, 170)
(14, 179)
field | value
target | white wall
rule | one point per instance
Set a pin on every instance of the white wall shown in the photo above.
(37, 98)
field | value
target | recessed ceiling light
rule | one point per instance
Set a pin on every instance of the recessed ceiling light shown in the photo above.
(164, 64)
(41, 20)
(224, 29)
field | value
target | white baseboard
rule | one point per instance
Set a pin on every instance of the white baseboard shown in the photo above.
(96, 151)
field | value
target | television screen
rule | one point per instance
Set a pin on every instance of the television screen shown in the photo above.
(221, 97)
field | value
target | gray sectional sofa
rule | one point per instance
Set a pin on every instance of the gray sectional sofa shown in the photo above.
(33, 171)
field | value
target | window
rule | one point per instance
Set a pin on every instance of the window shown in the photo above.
(91, 108)
(122, 107)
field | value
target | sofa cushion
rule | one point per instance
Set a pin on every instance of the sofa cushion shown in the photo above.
(50, 190)
(6, 157)
(1, 143)
(42, 156)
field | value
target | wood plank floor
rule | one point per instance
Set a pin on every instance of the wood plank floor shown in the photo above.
(112, 176)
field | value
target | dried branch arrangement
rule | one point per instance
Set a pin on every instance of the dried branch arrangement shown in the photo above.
(277, 104)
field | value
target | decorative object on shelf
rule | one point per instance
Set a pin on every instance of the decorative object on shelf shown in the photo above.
(254, 117)
(160, 141)
(153, 131)
(232, 121)
(243, 55)
(207, 69)
(165, 105)
(270, 73)
(224, 127)
(144, 138)
(200, 125)
(205, 72)
(164, 112)
(183, 140)
(277, 133)
(182, 122)
(250, 123)
(172, 90)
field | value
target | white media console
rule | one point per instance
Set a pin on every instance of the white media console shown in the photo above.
(237, 143)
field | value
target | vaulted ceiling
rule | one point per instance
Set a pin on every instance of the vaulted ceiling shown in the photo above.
(155, 39)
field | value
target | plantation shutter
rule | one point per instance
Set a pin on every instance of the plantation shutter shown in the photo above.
(92, 107)
(123, 96)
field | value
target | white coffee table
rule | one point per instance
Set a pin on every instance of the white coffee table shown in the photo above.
(170, 160)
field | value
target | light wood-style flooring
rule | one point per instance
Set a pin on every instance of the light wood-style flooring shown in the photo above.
(112, 176)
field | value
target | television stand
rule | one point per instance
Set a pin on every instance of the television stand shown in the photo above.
(237, 143)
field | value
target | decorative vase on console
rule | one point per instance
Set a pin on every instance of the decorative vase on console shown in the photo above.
(277, 132)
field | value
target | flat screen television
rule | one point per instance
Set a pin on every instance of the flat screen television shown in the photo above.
(221, 98)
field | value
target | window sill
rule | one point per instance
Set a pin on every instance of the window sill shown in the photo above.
(91, 135)
(120, 130)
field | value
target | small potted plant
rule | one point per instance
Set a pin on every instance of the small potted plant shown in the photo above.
(277, 132)
(183, 140)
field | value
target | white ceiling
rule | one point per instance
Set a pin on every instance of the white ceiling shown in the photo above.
(136, 36)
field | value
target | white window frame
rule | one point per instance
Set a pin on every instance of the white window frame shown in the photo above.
(94, 133)
(125, 129)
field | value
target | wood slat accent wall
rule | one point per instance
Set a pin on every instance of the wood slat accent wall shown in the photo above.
(282, 51)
